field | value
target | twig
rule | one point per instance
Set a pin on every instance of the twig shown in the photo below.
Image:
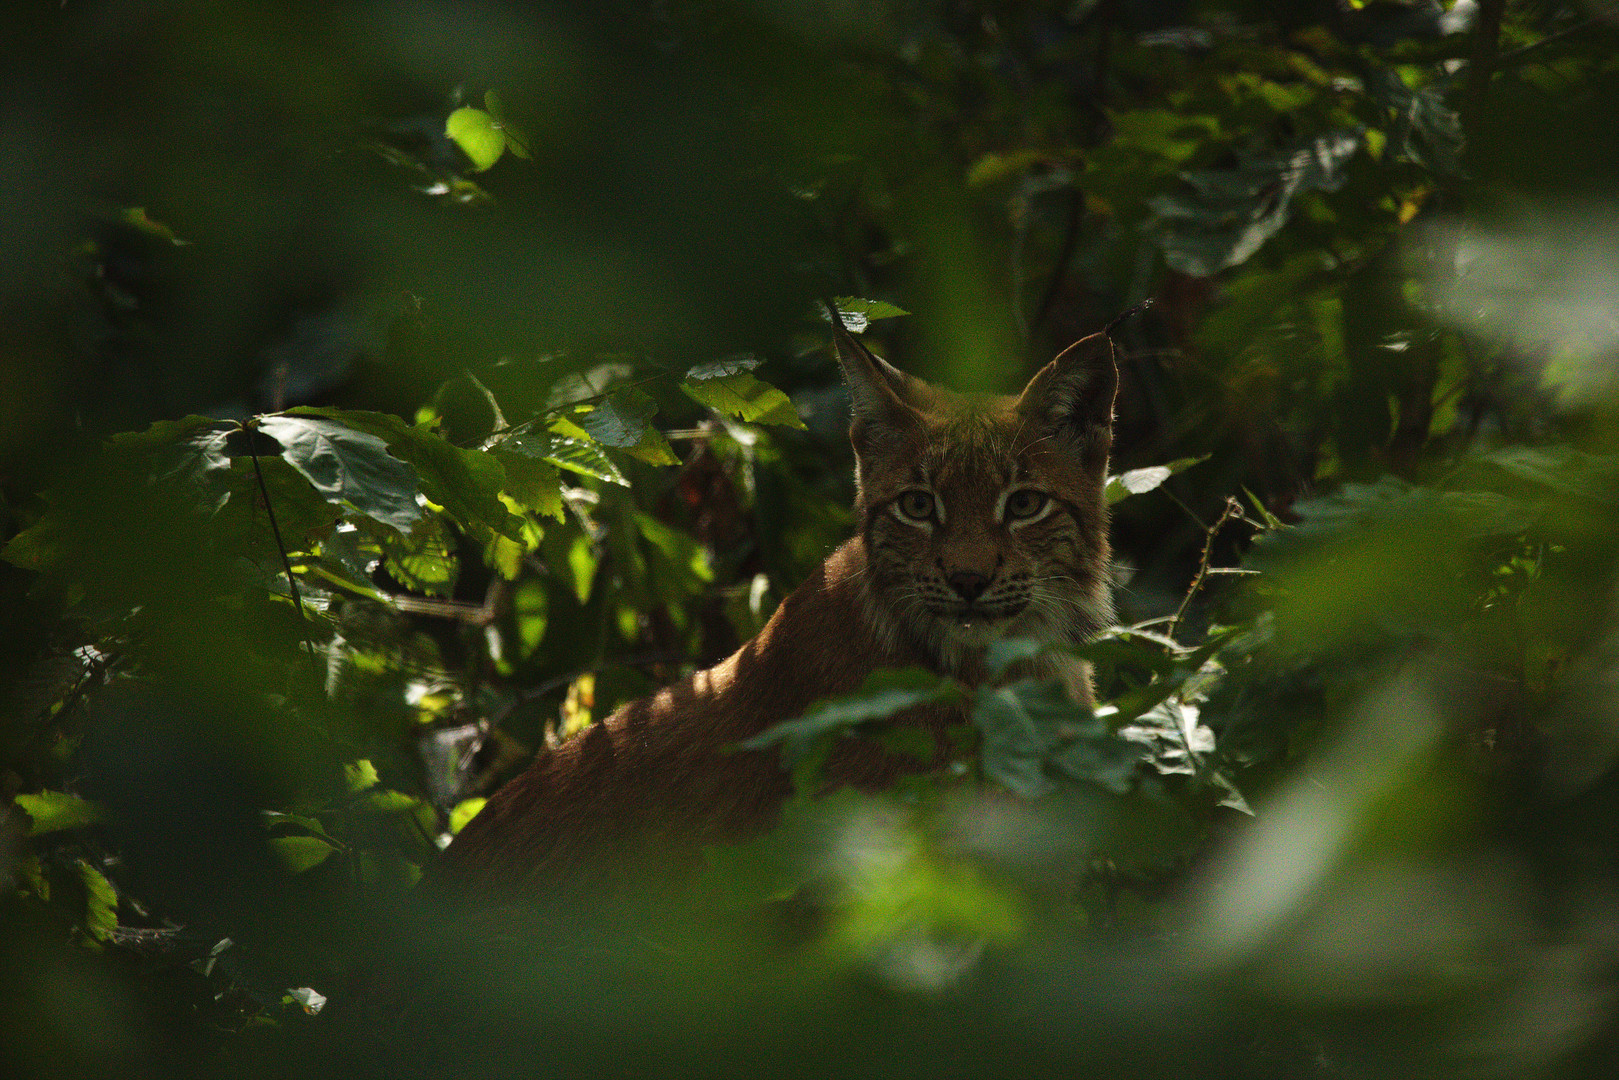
(1517, 55)
(286, 563)
(1233, 509)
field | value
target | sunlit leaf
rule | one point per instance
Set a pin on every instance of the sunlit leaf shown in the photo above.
(300, 853)
(531, 606)
(101, 903)
(653, 448)
(1141, 481)
(465, 811)
(744, 397)
(360, 775)
(477, 134)
(51, 811)
(577, 455)
(680, 554)
(311, 1001)
(140, 219)
(581, 566)
(533, 482)
(858, 313)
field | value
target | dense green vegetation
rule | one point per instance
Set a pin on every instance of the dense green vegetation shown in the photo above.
(387, 389)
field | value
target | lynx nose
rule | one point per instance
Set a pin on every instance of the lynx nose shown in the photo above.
(968, 585)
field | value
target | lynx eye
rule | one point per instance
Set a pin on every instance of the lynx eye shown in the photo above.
(914, 505)
(1024, 503)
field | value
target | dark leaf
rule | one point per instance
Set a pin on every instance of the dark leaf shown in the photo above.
(883, 694)
(349, 467)
(1229, 214)
(466, 483)
(620, 420)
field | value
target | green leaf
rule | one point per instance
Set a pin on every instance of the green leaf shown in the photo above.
(52, 811)
(578, 566)
(1031, 729)
(534, 482)
(577, 455)
(478, 134)
(725, 365)
(681, 556)
(993, 168)
(531, 609)
(1172, 135)
(360, 775)
(1100, 758)
(517, 141)
(39, 547)
(300, 853)
(101, 903)
(883, 694)
(348, 467)
(620, 420)
(193, 452)
(654, 448)
(1141, 481)
(1015, 742)
(140, 219)
(1424, 129)
(466, 483)
(744, 397)
(1561, 469)
(311, 1001)
(392, 802)
(1228, 214)
(858, 313)
(1004, 652)
(1172, 736)
(465, 811)
(303, 515)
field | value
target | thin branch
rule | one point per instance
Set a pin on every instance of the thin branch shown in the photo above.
(286, 563)
(1233, 509)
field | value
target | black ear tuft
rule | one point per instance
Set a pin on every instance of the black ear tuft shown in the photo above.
(880, 395)
(1072, 397)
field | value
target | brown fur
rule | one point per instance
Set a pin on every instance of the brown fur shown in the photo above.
(661, 777)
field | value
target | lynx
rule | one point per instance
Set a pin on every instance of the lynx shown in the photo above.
(979, 517)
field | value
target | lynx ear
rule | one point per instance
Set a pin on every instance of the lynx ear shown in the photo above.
(881, 397)
(1072, 398)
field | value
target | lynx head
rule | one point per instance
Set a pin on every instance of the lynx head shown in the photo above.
(983, 517)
